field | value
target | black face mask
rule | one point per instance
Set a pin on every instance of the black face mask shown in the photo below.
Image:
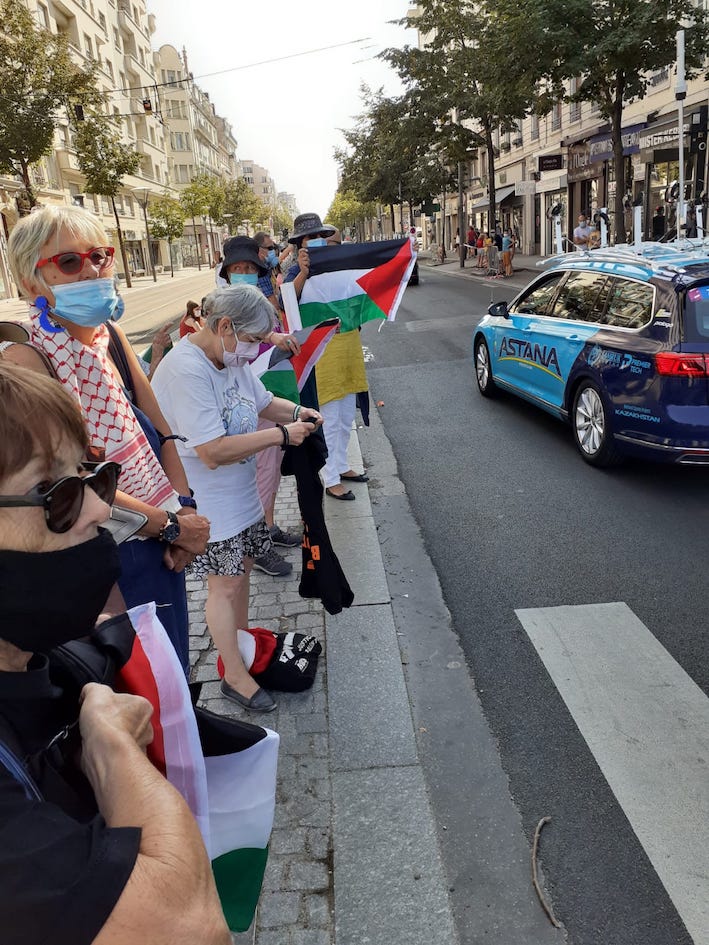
(48, 598)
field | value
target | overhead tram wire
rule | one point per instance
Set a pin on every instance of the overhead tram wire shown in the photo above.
(250, 65)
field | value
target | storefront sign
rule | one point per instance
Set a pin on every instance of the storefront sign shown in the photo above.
(579, 162)
(523, 187)
(551, 162)
(601, 146)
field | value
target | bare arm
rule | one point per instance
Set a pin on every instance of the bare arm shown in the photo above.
(304, 263)
(170, 897)
(281, 411)
(226, 450)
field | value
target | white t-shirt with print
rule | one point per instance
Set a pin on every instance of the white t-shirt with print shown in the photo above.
(202, 403)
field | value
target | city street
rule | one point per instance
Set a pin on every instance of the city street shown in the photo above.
(578, 601)
(518, 527)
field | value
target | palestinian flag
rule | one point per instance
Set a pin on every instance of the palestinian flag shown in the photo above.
(285, 374)
(225, 769)
(355, 282)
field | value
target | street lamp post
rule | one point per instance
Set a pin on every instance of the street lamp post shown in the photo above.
(144, 204)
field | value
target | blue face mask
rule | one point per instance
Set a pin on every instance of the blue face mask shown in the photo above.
(272, 258)
(243, 278)
(319, 241)
(88, 303)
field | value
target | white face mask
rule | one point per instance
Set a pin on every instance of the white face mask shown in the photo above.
(244, 352)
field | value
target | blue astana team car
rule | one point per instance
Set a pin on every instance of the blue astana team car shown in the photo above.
(616, 342)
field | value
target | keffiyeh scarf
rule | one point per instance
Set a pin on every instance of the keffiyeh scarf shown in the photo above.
(85, 372)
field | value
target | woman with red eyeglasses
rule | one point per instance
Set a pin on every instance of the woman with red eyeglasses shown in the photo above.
(97, 846)
(63, 265)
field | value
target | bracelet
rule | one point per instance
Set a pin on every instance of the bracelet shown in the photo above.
(296, 411)
(284, 433)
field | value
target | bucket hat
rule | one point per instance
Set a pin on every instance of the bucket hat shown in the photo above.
(241, 249)
(309, 224)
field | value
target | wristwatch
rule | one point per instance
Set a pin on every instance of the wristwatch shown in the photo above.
(187, 501)
(170, 531)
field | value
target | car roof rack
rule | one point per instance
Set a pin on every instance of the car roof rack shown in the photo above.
(669, 259)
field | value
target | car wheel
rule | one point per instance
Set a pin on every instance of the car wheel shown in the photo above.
(483, 371)
(591, 427)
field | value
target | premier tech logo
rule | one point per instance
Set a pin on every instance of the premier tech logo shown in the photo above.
(527, 352)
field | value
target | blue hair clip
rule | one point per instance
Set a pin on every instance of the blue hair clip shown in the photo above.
(42, 304)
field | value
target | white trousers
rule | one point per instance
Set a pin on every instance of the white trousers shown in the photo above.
(337, 416)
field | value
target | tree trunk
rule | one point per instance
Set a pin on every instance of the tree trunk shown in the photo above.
(487, 128)
(393, 218)
(618, 161)
(126, 267)
(172, 265)
(197, 247)
(29, 189)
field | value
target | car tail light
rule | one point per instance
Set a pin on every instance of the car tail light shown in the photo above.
(680, 364)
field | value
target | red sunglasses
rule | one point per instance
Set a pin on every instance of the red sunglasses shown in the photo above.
(72, 263)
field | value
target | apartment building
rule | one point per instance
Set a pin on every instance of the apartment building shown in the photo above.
(163, 114)
(261, 184)
(565, 159)
(288, 202)
(116, 34)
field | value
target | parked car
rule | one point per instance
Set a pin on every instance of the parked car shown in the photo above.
(614, 341)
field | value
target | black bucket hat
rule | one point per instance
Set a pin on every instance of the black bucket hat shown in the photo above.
(309, 224)
(241, 249)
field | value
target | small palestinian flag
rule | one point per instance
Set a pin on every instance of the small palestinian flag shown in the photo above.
(355, 282)
(285, 374)
(225, 769)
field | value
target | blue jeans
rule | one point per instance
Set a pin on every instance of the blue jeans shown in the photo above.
(144, 577)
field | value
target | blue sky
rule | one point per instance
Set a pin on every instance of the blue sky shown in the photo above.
(286, 115)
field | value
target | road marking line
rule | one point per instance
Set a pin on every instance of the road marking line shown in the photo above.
(647, 724)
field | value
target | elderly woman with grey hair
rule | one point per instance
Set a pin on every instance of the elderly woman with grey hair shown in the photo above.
(209, 394)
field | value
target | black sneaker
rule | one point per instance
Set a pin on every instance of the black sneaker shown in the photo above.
(272, 563)
(284, 539)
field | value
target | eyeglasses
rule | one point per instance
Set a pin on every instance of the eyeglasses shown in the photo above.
(71, 264)
(269, 247)
(62, 500)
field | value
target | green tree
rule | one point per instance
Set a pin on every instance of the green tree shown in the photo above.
(167, 222)
(282, 220)
(195, 201)
(615, 47)
(348, 212)
(104, 161)
(471, 79)
(241, 203)
(37, 78)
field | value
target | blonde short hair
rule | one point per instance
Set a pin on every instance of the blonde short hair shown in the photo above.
(33, 231)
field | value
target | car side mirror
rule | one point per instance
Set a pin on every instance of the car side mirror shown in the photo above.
(498, 310)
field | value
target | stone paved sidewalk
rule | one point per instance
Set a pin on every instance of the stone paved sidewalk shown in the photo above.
(296, 906)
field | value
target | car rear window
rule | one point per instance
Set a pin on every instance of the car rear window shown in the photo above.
(630, 304)
(696, 313)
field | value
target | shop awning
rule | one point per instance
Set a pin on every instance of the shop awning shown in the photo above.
(484, 203)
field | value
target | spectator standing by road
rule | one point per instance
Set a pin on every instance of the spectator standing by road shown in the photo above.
(341, 376)
(62, 262)
(582, 233)
(507, 253)
(207, 388)
(97, 846)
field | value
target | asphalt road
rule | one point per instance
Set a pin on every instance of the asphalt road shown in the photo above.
(512, 518)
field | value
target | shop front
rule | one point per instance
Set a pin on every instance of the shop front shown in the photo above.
(659, 171)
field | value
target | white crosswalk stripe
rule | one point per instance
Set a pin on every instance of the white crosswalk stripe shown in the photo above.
(647, 725)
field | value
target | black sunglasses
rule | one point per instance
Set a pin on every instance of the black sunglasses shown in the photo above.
(62, 500)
